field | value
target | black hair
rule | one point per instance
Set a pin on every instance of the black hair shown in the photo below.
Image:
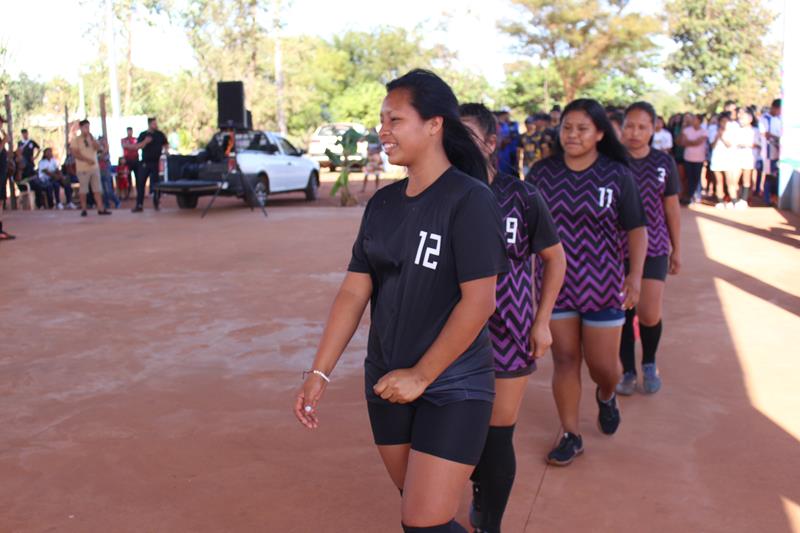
(150, 119)
(432, 97)
(556, 107)
(647, 107)
(728, 102)
(24, 130)
(83, 122)
(776, 102)
(481, 114)
(609, 145)
(129, 128)
(616, 116)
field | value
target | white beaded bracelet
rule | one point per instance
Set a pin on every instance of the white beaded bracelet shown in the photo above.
(318, 373)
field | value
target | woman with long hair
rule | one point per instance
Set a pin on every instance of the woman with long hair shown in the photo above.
(657, 178)
(519, 336)
(426, 258)
(593, 198)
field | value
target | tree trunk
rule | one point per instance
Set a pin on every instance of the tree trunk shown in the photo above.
(129, 63)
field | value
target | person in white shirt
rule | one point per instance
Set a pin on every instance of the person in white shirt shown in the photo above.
(724, 161)
(662, 139)
(748, 146)
(44, 182)
(771, 128)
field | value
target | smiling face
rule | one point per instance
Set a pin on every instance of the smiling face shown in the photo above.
(579, 136)
(405, 135)
(637, 130)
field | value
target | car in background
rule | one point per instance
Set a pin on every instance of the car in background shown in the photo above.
(256, 164)
(325, 138)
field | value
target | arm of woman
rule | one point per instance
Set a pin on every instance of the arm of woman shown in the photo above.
(345, 315)
(637, 244)
(554, 264)
(672, 212)
(463, 325)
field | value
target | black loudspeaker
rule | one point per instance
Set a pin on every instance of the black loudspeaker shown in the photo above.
(231, 112)
(249, 120)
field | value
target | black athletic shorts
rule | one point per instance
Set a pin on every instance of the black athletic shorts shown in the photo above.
(455, 431)
(655, 267)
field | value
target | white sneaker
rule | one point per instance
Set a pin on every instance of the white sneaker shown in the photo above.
(728, 205)
(60, 206)
(741, 204)
(720, 205)
(71, 206)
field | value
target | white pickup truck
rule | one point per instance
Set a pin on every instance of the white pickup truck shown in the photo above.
(257, 164)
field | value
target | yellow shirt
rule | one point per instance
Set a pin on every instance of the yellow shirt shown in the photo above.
(79, 147)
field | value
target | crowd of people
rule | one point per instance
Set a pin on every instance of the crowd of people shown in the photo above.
(503, 244)
(87, 164)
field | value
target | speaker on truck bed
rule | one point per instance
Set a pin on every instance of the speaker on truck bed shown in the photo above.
(231, 112)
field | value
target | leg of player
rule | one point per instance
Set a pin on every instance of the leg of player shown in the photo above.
(567, 387)
(600, 348)
(649, 309)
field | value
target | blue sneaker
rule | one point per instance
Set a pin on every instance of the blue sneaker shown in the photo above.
(608, 417)
(569, 447)
(627, 385)
(651, 383)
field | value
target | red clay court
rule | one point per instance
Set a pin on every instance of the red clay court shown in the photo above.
(149, 363)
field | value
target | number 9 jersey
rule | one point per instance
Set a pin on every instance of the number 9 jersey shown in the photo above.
(417, 250)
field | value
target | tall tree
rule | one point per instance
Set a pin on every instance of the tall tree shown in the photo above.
(585, 39)
(722, 52)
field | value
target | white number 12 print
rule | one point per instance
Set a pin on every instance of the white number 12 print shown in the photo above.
(606, 196)
(429, 251)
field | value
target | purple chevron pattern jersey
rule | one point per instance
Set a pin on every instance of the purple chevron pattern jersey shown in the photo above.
(590, 208)
(657, 177)
(529, 230)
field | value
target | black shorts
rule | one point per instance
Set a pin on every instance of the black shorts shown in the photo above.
(455, 431)
(655, 267)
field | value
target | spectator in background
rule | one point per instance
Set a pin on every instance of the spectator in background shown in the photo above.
(532, 142)
(30, 152)
(130, 153)
(724, 161)
(123, 176)
(662, 139)
(45, 184)
(748, 148)
(694, 141)
(772, 129)
(152, 142)
(106, 179)
(508, 143)
(555, 118)
(616, 119)
(4, 236)
(84, 147)
(374, 164)
(70, 174)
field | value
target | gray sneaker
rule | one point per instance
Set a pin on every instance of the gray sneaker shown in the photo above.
(627, 385)
(651, 382)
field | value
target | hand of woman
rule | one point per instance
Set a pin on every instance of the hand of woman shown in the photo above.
(541, 339)
(308, 397)
(674, 263)
(630, 291)
(401, 386)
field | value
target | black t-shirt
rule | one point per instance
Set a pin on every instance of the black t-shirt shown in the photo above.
(417, 250)
(152, 152)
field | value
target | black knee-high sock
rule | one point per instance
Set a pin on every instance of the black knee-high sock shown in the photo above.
(650, 337)
(451, 527)
(627, 344)
(495, 473)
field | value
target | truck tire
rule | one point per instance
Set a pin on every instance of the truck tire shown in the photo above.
(313, 187)
(187, 200)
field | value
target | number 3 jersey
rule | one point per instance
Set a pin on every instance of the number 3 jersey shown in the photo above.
(417, 250)
(529, 229)
(590, 209)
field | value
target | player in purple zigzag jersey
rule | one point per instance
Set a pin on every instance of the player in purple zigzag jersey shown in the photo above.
(657, 176)
(592, 196)
(517, 338)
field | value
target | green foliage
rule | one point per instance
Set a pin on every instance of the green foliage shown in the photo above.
(530, 89)
(584, 40)
(721, 51)
(359, 103)
(349, 142)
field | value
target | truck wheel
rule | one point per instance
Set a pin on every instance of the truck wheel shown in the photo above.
(187, 201)
(260, 191)
(313, 187)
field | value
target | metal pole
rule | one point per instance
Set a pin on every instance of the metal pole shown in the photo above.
(279, 68)
(103, 115)
(12, 152)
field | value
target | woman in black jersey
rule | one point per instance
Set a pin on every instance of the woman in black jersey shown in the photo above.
(518, 337)
(426, 258)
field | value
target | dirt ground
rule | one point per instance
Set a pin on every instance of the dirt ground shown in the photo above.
(148, 363)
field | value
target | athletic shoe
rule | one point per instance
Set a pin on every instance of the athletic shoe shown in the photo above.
(83, 213)
(608, 417)
(720, 205)
(651, 383)
(137, 209)
(728, 205)
(569, 447)
(104, 212)
(740, 204)
(60, 206)
(627, 385)
(72, 206)
(475, 511)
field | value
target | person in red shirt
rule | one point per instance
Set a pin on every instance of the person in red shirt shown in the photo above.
(123, 181)
(131, 155)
